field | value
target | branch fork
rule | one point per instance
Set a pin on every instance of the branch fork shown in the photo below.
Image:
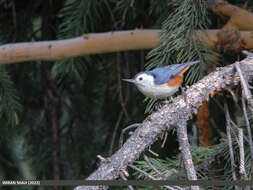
(176, 113)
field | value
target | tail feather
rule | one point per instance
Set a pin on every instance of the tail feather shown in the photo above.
(191, 63)
(184, 70)
(187, 66)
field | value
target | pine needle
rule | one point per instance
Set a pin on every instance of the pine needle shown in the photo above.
(178, 42)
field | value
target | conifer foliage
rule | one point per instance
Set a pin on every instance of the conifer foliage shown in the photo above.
(56, 117)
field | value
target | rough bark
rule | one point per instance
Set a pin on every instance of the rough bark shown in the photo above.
(174, 114)
(184, 147)
(114, 42)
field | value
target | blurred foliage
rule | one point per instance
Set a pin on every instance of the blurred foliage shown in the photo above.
(75, 22)
(85, 99)
(10, 106)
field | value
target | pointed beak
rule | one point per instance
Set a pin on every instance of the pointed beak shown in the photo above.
(129, 80)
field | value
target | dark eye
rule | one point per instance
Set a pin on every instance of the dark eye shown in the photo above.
(140, 78)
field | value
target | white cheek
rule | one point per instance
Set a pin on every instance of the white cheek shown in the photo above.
(148, 80)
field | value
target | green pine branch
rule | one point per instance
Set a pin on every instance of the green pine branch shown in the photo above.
(178, 42)
(77, 19)
(206, 159)
(10, 106)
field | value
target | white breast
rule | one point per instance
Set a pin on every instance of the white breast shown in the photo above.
(145, 83)
(157, 91)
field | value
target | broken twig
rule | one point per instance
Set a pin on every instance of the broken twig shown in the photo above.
(148, 175)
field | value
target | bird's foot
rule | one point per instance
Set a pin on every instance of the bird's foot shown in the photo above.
(158, 105)
(168, 100)
(183, 90)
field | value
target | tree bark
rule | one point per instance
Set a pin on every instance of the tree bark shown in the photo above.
(114, 42)
(238, 18)
(174, 114)
(184, 147)
(84, 45)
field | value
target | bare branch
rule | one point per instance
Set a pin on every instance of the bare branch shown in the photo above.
(109, 42)
(221, 133)
(101, 158)
(152, 152)
(148, 175)
(245, 86)
(248, 130)
(184, 147)
(172, 114)
(247, 53)
(165, 136)
(121, 99)
(143, 172)
(233, 123)
(154, 168)
(239, 18)
(157, 171)
(241, 150)
(84, 45)
(231, 152)
(124, 178)
(115, 132)
(121, 139)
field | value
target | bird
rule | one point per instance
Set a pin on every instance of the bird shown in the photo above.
(161, 82)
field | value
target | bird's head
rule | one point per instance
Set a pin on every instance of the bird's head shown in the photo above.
(143, 79)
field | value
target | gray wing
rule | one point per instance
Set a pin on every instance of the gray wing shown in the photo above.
(164, 74)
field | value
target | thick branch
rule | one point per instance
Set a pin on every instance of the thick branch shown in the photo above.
(175, 113)
(227, 40)
(83, 45)
(239, 18)
(114, 42)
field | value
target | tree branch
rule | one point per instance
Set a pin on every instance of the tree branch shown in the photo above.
(154, 168)
(114, 42)
(84, 45)
(245, 86)
(241, 150)
(249, 131)
(239, 18)
(158, 172)
(184, 147)
(124, 178)
(231, 152)
(148, 175)
(176, 113)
